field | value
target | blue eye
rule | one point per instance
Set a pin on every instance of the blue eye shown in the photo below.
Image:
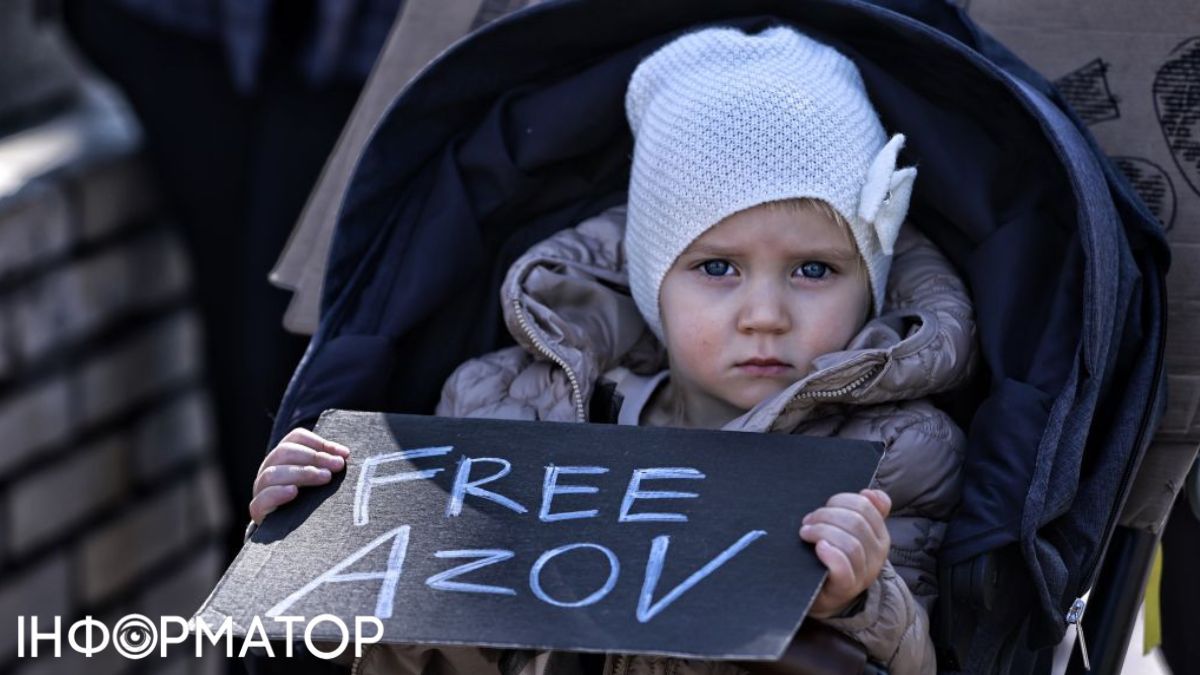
(716, 268)
(814, 270)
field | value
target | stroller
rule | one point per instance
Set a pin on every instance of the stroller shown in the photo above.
(519, 131)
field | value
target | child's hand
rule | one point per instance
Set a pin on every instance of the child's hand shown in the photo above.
(853, 542)
(301, 458)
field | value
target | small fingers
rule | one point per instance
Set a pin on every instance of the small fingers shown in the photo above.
(853, 523)
(863, 509)
(848, 544)
(299, 455)
(881, 500)
(287, 474)
(269, 499)
(842, 577)
(304, 437)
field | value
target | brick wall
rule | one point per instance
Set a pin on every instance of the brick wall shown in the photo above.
(110, 500)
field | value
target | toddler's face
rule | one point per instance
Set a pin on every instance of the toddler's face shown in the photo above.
(749, 305)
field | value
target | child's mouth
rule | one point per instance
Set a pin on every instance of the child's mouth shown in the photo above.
(761, 367)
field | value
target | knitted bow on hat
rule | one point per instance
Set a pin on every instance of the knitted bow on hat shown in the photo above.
(883, 203)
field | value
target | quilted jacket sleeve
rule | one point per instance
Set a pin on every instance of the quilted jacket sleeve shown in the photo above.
(892, 626)
(509, 385)
(920, 470)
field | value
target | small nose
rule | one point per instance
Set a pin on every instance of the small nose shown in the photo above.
(763, 310)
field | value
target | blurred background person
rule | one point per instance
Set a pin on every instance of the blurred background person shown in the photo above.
(240, 102)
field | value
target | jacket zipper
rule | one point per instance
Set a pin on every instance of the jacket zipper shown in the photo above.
(840, 391)
(576, 390)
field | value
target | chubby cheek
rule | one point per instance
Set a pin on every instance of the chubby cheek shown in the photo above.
(827, 332)
(829, 324)
(694, 339)
(693, 327)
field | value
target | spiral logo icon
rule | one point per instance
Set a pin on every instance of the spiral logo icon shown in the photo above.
(135, 636)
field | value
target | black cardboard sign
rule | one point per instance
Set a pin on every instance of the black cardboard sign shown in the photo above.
(561, 536)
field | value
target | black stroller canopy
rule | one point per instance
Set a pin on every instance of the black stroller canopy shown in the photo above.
(519, 131)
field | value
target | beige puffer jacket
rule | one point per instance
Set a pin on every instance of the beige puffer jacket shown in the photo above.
(566, 303)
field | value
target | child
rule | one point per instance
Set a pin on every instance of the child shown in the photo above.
(764, 213)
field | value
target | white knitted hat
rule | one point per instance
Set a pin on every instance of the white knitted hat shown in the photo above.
(724, 121)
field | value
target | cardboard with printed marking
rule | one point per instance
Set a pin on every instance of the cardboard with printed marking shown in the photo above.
(581, 537)
(1131, 70)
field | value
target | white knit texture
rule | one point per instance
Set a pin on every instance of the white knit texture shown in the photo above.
(724, 121)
